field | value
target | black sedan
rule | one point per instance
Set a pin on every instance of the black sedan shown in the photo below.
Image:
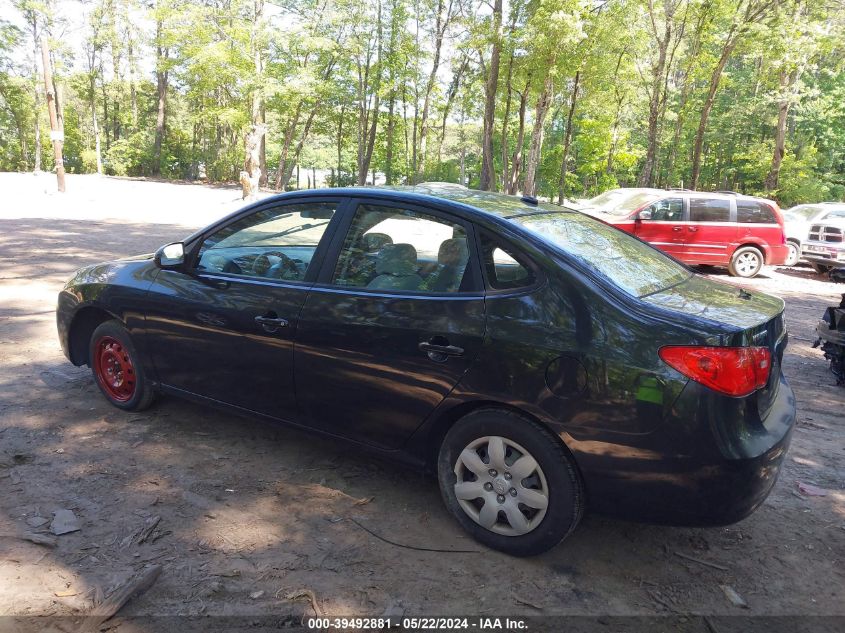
(538, 360)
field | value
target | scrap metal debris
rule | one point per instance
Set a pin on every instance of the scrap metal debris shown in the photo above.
(64, 522)
(735, 599)
(831, 338)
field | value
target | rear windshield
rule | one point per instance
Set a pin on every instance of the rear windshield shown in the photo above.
(802, 212)
(621, 202)
(630, 264)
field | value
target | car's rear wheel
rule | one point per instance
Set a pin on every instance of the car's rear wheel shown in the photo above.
(821, 268)
(510, 483)
(116, 368)
(746, 262)
(794, 254)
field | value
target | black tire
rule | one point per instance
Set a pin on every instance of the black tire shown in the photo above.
(738, 267)
(117, 368)
(563, 486)
(821, 269)
(794, 253)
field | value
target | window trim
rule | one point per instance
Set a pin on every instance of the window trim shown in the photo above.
(315, 265)
(504, 240)
(323, 281)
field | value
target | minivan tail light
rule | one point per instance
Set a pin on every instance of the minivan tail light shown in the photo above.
(735, 371)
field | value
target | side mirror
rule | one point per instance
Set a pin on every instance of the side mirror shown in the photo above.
(645, 214)
(170, 255)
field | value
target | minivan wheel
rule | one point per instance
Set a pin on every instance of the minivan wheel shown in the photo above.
(510, 483)
(116, 368)
(746, 262)
(794, 254)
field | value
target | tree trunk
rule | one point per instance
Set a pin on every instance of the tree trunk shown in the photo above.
(36, 93)
(96, 129)
(251, 175)
(540, 111)
(771, 182)
(516, 159)
(488, 168)
(391, 127)
(648, 174)
(730, 44)
(440, 26)
(161, 91)
(53, 110)
(290, 130)
(505, 117)
(567, 139)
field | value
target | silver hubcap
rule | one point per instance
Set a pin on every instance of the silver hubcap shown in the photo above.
(793, 254)
(747, 263)
(500, 486)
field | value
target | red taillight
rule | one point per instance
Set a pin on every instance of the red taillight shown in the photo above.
(735, 371)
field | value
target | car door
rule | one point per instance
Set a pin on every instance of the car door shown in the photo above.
(710, 234)
(662, 225)
(223, 327)
(395, 321)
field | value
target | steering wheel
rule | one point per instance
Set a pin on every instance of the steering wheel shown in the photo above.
(264, 264)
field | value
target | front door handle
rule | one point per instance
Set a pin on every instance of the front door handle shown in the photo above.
(271, 323)
(440, 353)
(692, 229)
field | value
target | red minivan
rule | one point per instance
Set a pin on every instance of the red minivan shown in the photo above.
(720, 229)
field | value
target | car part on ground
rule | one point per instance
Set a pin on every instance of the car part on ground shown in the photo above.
(831, 332)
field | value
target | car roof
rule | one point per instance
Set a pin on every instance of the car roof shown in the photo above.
(488, 202)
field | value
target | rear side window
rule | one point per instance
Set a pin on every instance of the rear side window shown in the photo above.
(505, 269)
(753, 212)
(709, 210)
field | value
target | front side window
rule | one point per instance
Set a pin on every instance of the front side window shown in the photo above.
(667, 210)
(753, 212)
(395, 249)
(625, 261)
(275, 243)
(709, 210)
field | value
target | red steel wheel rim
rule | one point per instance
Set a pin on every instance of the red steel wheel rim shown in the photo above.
(114, 369)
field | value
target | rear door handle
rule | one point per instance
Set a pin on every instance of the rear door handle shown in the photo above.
(271, 323)
(677, 228)
(440, 353)
(692, 229)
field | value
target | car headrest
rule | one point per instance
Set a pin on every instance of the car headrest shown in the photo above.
(397, 259)
(374, 242)
(453, 252)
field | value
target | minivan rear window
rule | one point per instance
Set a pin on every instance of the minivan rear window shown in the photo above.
(753, 212)
(632, 265)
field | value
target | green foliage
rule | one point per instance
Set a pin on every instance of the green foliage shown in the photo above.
(318, 72)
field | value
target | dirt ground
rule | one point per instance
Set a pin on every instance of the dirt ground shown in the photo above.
(250, 513)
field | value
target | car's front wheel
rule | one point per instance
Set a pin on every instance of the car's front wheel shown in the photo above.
(510, 483)
(794, 254)
(116, 368)
(746, 262)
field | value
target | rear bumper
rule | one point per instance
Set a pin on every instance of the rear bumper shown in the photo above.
(691, 490)
(778, 255)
